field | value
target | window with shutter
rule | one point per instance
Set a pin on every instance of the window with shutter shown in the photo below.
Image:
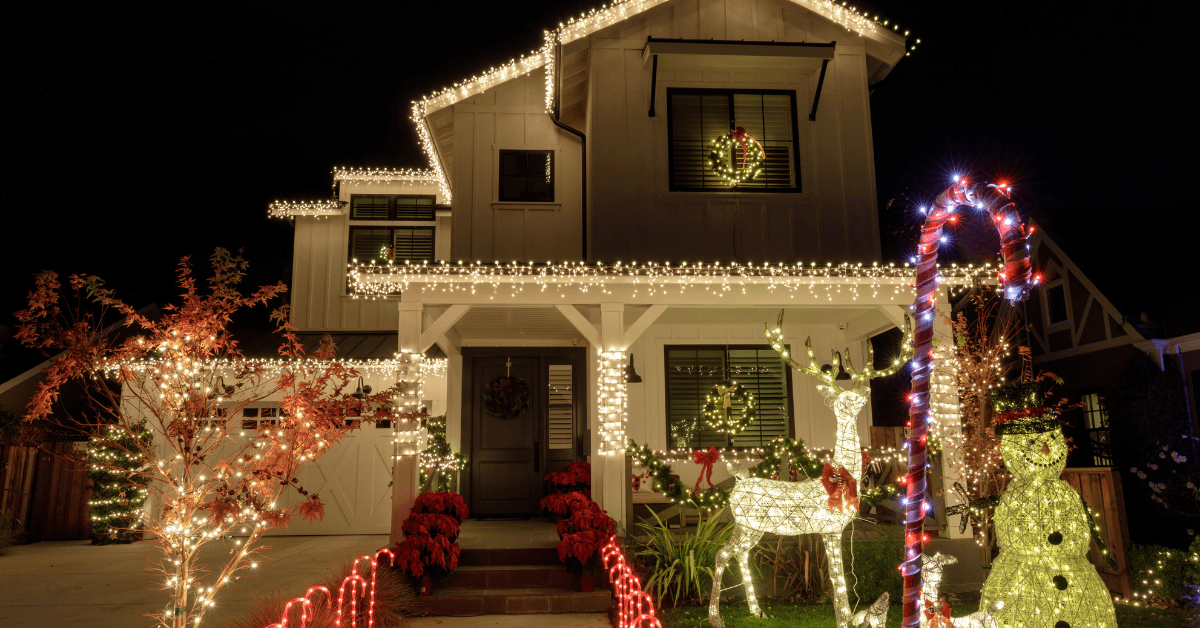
(392, 207)
(415, 208)
(693, 370)
(413, 244)
(696, 117)
(398, 244)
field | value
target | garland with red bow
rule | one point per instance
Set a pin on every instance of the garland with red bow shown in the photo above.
(706, 461)
(722, 149)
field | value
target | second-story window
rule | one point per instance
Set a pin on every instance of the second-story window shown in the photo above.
(391, 207)
(398, 241)
(698, 116)
(527, 176)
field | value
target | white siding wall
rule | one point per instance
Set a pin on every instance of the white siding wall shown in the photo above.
(513, 116)
(318, 291)
(834, 217)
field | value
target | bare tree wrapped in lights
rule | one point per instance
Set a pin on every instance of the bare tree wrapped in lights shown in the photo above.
(982, 344)
(183, 379)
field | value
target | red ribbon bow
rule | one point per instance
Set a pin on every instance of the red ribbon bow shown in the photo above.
(740, 135)
(939, 615)
(706, 461)
(841, 487)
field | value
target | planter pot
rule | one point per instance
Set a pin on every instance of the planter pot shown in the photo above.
(587, 583)
(425, 586)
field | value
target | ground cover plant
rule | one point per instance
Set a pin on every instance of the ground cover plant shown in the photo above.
(182, 378)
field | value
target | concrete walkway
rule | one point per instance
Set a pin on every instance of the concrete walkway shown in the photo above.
(72, 584)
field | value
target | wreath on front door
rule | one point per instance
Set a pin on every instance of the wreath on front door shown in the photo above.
(507, 397)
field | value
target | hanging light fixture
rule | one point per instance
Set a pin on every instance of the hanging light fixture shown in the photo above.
(358, 394)
(631, 376)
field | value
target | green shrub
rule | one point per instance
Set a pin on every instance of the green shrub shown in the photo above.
(681, 565)
(798, 570)
(1163, 576)
(871, 565)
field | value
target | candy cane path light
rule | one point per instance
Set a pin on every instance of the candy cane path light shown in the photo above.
(1016, 277)
(353, 581)
(635, 608)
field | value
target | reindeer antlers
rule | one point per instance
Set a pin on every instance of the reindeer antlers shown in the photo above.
(868, 373)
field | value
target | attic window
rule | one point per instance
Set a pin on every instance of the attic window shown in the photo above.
(527, 176)
(1056, 301)
(698, 116)
(392, 207)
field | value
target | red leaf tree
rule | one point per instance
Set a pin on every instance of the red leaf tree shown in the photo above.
(182, 377)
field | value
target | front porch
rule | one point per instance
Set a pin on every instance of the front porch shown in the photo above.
(625, 321)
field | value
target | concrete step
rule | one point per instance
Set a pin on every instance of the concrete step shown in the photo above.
(508, 557)
(467, 602)
(509, 577)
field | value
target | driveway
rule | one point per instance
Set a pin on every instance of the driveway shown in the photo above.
(72, 584)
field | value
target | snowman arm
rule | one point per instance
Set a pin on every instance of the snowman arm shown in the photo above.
(971, 508)
(1095, 529)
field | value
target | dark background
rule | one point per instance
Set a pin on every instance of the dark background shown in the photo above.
(138, 133)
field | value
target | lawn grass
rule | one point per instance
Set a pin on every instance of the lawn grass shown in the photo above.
(782, 614)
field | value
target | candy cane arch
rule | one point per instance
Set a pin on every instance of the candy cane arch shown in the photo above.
(355, 581)
(635, 607)
(1015, 277)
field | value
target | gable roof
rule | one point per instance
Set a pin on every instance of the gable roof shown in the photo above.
(596, 19)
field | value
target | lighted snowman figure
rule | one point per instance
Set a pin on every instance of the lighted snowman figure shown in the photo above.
(1042, 526)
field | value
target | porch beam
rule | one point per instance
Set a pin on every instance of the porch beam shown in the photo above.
(581, 323)
(643, 323)
(874, 322)
(441, 325)
(748, 295)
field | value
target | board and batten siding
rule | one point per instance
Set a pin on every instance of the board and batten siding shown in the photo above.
(833, 218)
(512, 116)
(319, 298)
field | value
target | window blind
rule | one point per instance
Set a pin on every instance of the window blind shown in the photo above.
(413, 244)
(368, 207)
(692, 371)
(415, 208)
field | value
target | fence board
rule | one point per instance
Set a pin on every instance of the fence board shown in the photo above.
(1101, 488)
(61, 512)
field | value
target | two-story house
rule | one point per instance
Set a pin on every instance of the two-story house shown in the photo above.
(572, 230)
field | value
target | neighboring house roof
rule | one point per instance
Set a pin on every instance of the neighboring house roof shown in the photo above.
(1093, 322)
(350, 346)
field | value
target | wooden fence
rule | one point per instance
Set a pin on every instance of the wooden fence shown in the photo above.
(1100, 487)
(50, 491)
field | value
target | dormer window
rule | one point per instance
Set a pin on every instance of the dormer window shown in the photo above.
(392, 207)
(696, 117)
(405, 237)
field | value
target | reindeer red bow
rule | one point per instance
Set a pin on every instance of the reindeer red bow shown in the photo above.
(706, 461)
(841, 486)
(938, 614)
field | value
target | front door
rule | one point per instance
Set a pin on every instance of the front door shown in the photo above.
(511, 454)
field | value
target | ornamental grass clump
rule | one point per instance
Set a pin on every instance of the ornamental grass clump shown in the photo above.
(681, 565)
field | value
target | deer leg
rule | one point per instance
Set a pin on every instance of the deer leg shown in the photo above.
(749, 540)
(837, 576)
(735, 547)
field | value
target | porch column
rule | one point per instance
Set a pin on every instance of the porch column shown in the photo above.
(609, 481)
(944, 402)
(407, 442)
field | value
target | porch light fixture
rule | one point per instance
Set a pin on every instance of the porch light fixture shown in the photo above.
(631, 376)
(358, 394)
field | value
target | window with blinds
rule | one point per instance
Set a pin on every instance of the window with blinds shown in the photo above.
(392, 207)
(698, 116)
(381, 244)
(562, 407)
(693, 370)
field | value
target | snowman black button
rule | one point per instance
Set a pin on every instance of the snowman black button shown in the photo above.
(1060, 582)
(1055, 537)
(1061, 624)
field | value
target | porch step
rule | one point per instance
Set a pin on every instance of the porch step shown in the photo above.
(508, 557)
(468, 602)
(509, 577)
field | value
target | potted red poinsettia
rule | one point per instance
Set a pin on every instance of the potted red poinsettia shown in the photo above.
(558, 506)
(577, 478)
(430, 547)
(581, 535)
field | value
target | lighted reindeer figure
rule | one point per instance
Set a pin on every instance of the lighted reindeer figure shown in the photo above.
(760, 505)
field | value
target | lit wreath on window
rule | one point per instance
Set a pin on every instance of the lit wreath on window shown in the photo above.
(751, 159)
(507, 397)
(721, 399)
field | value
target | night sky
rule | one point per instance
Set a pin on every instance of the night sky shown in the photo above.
(137, 133)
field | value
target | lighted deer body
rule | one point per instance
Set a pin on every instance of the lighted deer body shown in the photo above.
(826, 507)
